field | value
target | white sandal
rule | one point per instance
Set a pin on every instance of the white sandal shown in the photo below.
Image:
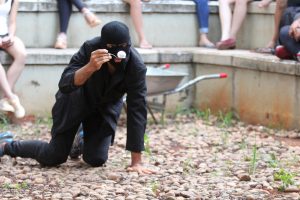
(5, 105)
(91, 19)
(19, 109)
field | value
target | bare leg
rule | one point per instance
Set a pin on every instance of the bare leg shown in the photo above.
(280, 7)
(18, 52)
(225, 17)
(4, 85)
(264, 3)
(137, 19)
(239, 14)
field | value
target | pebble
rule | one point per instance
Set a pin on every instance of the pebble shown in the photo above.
(192, 159)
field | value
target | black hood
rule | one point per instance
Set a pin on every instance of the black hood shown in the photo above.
(116, 33)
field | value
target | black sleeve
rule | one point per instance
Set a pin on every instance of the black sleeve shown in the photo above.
(136, 109)
(78, 60)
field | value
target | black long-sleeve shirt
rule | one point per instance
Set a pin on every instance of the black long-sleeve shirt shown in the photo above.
(103, 93)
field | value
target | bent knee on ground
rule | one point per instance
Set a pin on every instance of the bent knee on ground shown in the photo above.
(94, 161)
(54, 160)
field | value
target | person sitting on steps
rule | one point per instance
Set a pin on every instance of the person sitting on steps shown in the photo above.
(65, 11)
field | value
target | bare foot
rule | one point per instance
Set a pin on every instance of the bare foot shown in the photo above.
(204, 42)
(271, 44)
(91, 19)
(144, 44)
(264, 3)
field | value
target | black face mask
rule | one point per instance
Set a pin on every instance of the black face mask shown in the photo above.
(115, 37)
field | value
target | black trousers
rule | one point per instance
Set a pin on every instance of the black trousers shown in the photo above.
(97, 139)
(65, 11)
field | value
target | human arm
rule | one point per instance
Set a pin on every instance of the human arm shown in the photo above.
(279, 10)
(97, 59)
(81, 67)
(136, 114)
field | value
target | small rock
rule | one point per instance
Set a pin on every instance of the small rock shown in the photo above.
(292, 189)
(186, 194)
(113, 177)
(244, 177)
(4, 180)
(250, 197)
(293, 196)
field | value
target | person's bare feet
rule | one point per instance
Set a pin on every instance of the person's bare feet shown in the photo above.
(264, 3)
(91, 19)
(144, 44)
(205, 42)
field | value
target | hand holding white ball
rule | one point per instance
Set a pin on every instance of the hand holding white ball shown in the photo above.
(121, 54)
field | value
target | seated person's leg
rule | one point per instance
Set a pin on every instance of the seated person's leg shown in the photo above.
(287, 41)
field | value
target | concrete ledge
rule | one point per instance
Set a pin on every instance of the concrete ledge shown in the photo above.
(167, 23)
(236, 58)
(154, 6)
(259, 89)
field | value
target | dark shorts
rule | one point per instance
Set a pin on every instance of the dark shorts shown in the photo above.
(2, 36)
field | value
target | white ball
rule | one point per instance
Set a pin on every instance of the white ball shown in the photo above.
(121, 54)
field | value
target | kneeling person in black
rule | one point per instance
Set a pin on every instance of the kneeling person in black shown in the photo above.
(90, 93)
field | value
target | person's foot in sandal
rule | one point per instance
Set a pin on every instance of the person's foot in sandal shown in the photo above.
(91, 19)
(19, 110)
(61, 41)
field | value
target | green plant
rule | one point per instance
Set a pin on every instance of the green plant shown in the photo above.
(226, 120)
(18, 186)
(44, 120)
(205, 114)
(273, 162)
(155, 188)
(147, 144)
(4, 121)
(253, 161)
(187, 166)
(286, 178)
(243, 144)
(224, 136)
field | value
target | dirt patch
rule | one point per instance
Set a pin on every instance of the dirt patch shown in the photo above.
(288, 141)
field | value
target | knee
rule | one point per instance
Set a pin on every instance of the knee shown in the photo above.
(241, 3)
(94, 161)
(284, 34)
(21, 56)
(54, 160)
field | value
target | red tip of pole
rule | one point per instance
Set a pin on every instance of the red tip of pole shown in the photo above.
(223, 75)
(167, 66)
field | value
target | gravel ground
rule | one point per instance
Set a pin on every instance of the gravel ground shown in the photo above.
(194, 159)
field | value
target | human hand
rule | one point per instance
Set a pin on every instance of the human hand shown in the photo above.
(294, 31)
(7, 41)
(139, 168)
(297, 34)
(264, 3)
(98, 57)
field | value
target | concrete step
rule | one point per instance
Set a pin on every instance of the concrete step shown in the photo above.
(259, 89)
(168, 23)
